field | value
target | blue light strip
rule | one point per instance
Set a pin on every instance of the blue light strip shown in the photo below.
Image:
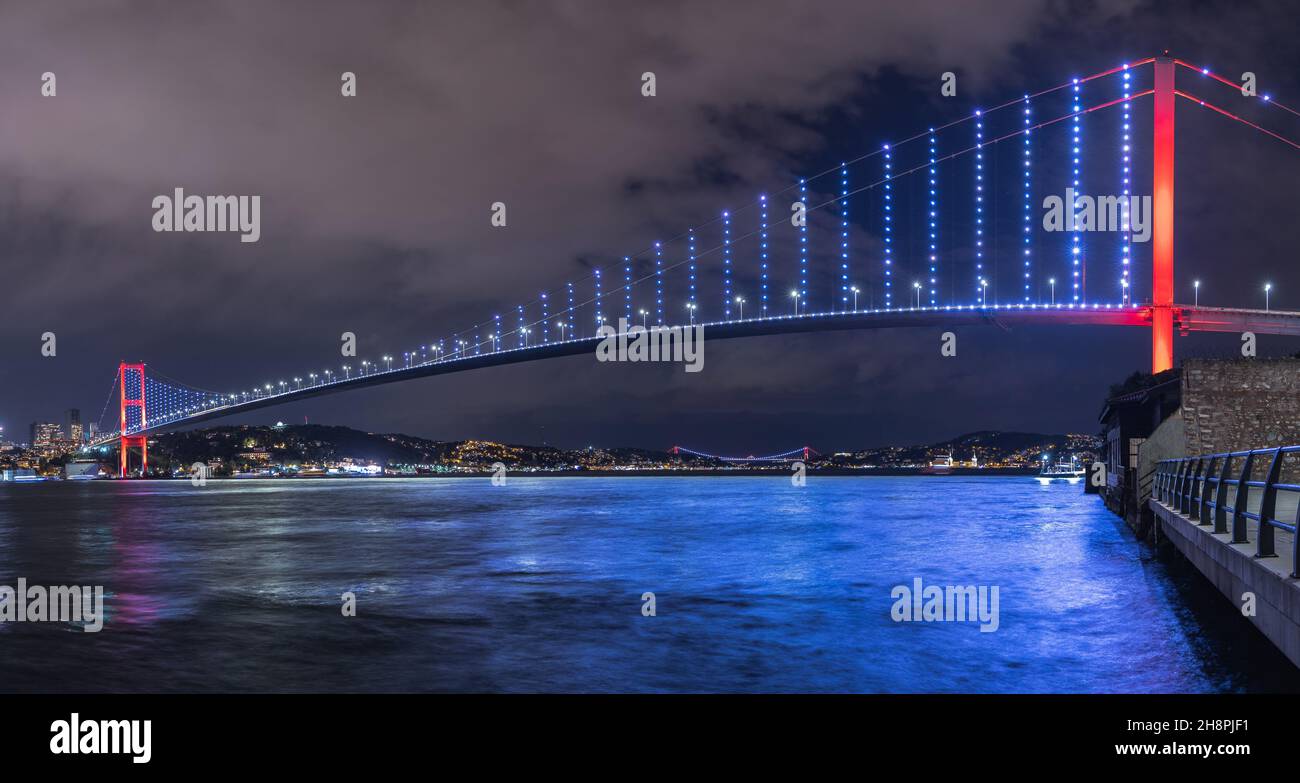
(600, 316)
(844, 237)
(889, 230)
(1125, 238)
(690, 256)
(546, 320)
(803, 246)
(573, 323)
(659, 283)
(1076, 249)
(934, 226)
(726, 265)
(980, 294)
(762, 254)
(1027, 226)
(627, 289)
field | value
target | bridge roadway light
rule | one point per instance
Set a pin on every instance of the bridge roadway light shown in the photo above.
(795, 296)
(1267, 287)
(1052, 283)
(690, 307)
(740, 300)
(984, 292)
(854, 289)
(643, 315)
(917, 288)
(1123, 284)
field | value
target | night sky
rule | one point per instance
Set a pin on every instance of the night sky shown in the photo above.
(375, 209)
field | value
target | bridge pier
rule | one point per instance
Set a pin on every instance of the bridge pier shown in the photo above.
(128, 441)
(1162, 224)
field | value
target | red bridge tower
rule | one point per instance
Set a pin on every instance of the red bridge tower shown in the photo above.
(132, 402)
(1162, 224)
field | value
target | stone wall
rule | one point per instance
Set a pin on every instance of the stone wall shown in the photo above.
(1238, 404)
(1169, 441)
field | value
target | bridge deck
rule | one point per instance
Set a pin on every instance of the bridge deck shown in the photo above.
(1187, 317)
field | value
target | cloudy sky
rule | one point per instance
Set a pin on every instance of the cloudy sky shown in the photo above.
(375, 209)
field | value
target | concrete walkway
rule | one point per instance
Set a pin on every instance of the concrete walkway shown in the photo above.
(1236, 571)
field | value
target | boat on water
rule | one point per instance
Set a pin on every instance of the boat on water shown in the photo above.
(82, 470)
(1070, 471)
(939, 466)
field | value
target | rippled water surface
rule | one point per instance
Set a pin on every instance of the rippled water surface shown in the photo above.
(537, 586)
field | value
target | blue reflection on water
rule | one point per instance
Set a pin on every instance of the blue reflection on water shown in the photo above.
(537, 585)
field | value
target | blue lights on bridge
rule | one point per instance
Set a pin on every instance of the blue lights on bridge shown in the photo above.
(678, 297)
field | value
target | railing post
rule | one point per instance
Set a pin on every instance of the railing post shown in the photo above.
(1240, 502)
(1268, 506)
(1178, 486)
(1295, 545)
(1203, 507)
(1194, 491)
(1162, 471)
(1221, 497)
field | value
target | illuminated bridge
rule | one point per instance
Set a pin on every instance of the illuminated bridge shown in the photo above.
(959, 238)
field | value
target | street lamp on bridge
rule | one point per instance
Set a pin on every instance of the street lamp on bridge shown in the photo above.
(1052, 283)
(984, 292)
(917, 288)
(1196, 293)
(1267, 287)
(855, 291)
(795, 296)
(740, 300)
(690, 308)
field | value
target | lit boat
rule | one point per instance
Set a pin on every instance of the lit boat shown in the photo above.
(939, 466)
(1070, 471)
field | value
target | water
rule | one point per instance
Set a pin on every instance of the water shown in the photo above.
(537, 586)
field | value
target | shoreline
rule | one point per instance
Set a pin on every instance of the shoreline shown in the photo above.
(637, 473)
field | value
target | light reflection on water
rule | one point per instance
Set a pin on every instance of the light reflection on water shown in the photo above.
(760, 586)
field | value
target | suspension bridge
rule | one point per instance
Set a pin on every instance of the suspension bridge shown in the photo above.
(800, 453)
(951, 216)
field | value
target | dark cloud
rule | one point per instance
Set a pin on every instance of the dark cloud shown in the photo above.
(375, 209)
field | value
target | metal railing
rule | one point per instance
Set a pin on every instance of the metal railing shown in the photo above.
(1198, 487)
